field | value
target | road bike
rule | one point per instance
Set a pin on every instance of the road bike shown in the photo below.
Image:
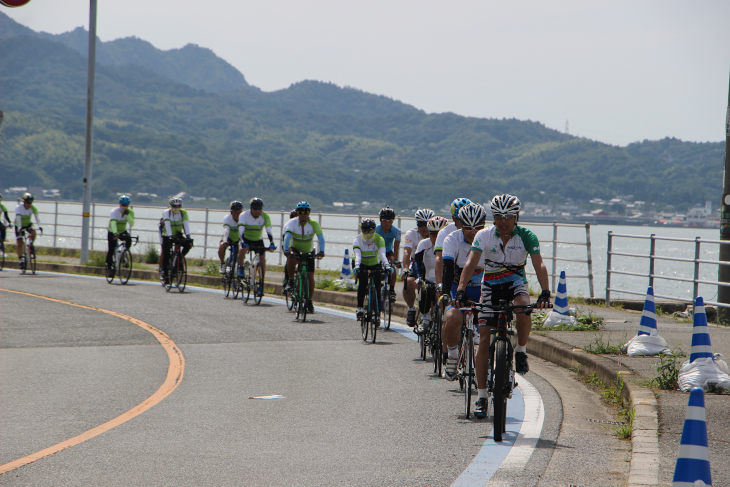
(426, 291)
(253, 276)
(177, 268)
(121, 262)
(28, 252)
(387, 310)
(370, 320)
(300, 293)
(231, 281)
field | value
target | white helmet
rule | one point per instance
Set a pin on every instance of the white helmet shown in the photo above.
(436, 223)
(423, 215)
(505, 204)
(472, 215)
(176, 202)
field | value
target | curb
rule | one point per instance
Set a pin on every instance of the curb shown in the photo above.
(644, 469)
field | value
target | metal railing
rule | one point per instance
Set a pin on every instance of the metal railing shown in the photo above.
(653, 257)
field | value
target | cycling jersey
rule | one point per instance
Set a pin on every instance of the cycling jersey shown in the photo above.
(445, 232)
(176, 223)
(503, 263)
(4, 212)
(412, 238)
(368, 253)
(393, 235)
(252, 227)
(300, 237)
(118, 220)
(230, 228)
(456, 249)
(425, 255)
(23, 216)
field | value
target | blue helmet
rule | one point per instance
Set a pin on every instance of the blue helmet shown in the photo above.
(303, 205)
(124, 200)
(457, 204)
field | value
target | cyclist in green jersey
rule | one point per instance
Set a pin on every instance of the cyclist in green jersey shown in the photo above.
(3, 227)
(298, 239)
(23, 214)
(177, 224)
(230, 233)
(118, 220)
(252, 225)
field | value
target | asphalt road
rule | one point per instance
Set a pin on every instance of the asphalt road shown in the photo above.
(349, 413)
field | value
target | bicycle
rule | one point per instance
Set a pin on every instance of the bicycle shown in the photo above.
(29, 251)
(253, 276)
(370, 320)
(300, 293)
(231, 281)
(178, 268)
(121, 262)
(387, 310)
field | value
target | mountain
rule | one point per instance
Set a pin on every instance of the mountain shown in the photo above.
(161, 127)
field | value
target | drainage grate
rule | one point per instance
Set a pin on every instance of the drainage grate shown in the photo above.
(602, 422)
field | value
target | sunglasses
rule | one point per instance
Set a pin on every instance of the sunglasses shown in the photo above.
(368, 232)
(176, 207)
(302, 212)
(472, 229)
(504, 217)
(421, 224)
(387, 221)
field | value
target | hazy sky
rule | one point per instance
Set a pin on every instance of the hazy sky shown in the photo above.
(617, 71)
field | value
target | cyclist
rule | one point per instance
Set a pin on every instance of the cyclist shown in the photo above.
(292, 215)
(177, 224)
(455, 225)
(503, 248)
(368, 250)
(23, 213)
(410, 243)
(425, 260)
(118, 220)
(250, 227)
(298, 239)
(391, 235)
(455, 250)
(230, 233)
(3, 227)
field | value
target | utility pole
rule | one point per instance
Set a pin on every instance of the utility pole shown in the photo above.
(723, 292)
(89, 133)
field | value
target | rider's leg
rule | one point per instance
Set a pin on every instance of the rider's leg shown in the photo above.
(482, 359)
(524, 323)
(409, 293)
(262, 259)
(451, 331)
(111, 245)
(19, 247)
(222, 251)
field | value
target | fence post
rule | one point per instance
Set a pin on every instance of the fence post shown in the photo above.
(281, 232)
(205, 237)
(55, 224)
(319, 220)
(555, 252)
(608, 268)
(652, 253)
(589, 252)
(93, 223)
(697, 270)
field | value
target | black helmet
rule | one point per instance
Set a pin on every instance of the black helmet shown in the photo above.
(28, 198)
(236, 205)
(367, 224)
(387, 213)
(256, 204)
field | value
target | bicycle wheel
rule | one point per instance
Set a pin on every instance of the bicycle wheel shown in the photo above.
(32, 261)
(364, 321)
(125, 267)
(228, 278)
(182, 274)
(468, 372)
(373, 313)
(301, 300)
(109, 273)
(171, 275)
(422, 345)
(247, 284)
(259, 283)
(436, 346)
(500, 388)
(2, 259)
(235, 281)
(387, 306)
(304, 295)
(289, 299)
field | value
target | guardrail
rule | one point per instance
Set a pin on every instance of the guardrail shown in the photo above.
(653, 257)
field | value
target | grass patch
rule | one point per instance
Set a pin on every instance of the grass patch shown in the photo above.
(612, 395)
(599, 348)
(212, 269)
(583, 322)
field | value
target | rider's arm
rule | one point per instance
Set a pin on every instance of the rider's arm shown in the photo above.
(18, 219)
(37, 218)
(267, 225)
(541, 271)
(382, 257)
(287, 240)
(130, 218)
(356, 256)
(467, 272)
(320, 239)
(419, 267)
(185, 222)
(168, 225)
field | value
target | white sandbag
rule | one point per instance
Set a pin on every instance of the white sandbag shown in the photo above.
(646, 345)
(721, 363)
(345, 284)
(554, 319)
(701, 373)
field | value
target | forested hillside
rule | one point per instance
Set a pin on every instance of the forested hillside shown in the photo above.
(162, 126)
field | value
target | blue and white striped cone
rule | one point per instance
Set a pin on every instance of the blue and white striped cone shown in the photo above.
(345, 273)
(647, 325)
(701, 345)
(693, 461)
(561, 297)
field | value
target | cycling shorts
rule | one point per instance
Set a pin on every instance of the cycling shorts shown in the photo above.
(309, 260)
(500, 292)
(255, 243)
(28, 229)
(472, 293)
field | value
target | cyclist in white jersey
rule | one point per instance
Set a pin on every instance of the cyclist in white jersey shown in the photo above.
(503, 248)
(177, 224)
(425, 260)
(368, 251)
(119, 218)
(230, 235)
(23, 214)
(455, 225)
(455, 255)
(251, 227)
(410, 243)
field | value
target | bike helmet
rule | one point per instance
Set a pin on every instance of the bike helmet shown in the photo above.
(367, 224)
(505, 204)
(303, 205)
(124, 200)
(472, 215)
(423, 215)
(256, 204)
(436, 223)
(28, 198)
(176, 202)
(236, 205)
(457, 204)
(387, 213)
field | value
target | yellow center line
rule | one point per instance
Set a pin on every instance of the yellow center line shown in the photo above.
(174, 377)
